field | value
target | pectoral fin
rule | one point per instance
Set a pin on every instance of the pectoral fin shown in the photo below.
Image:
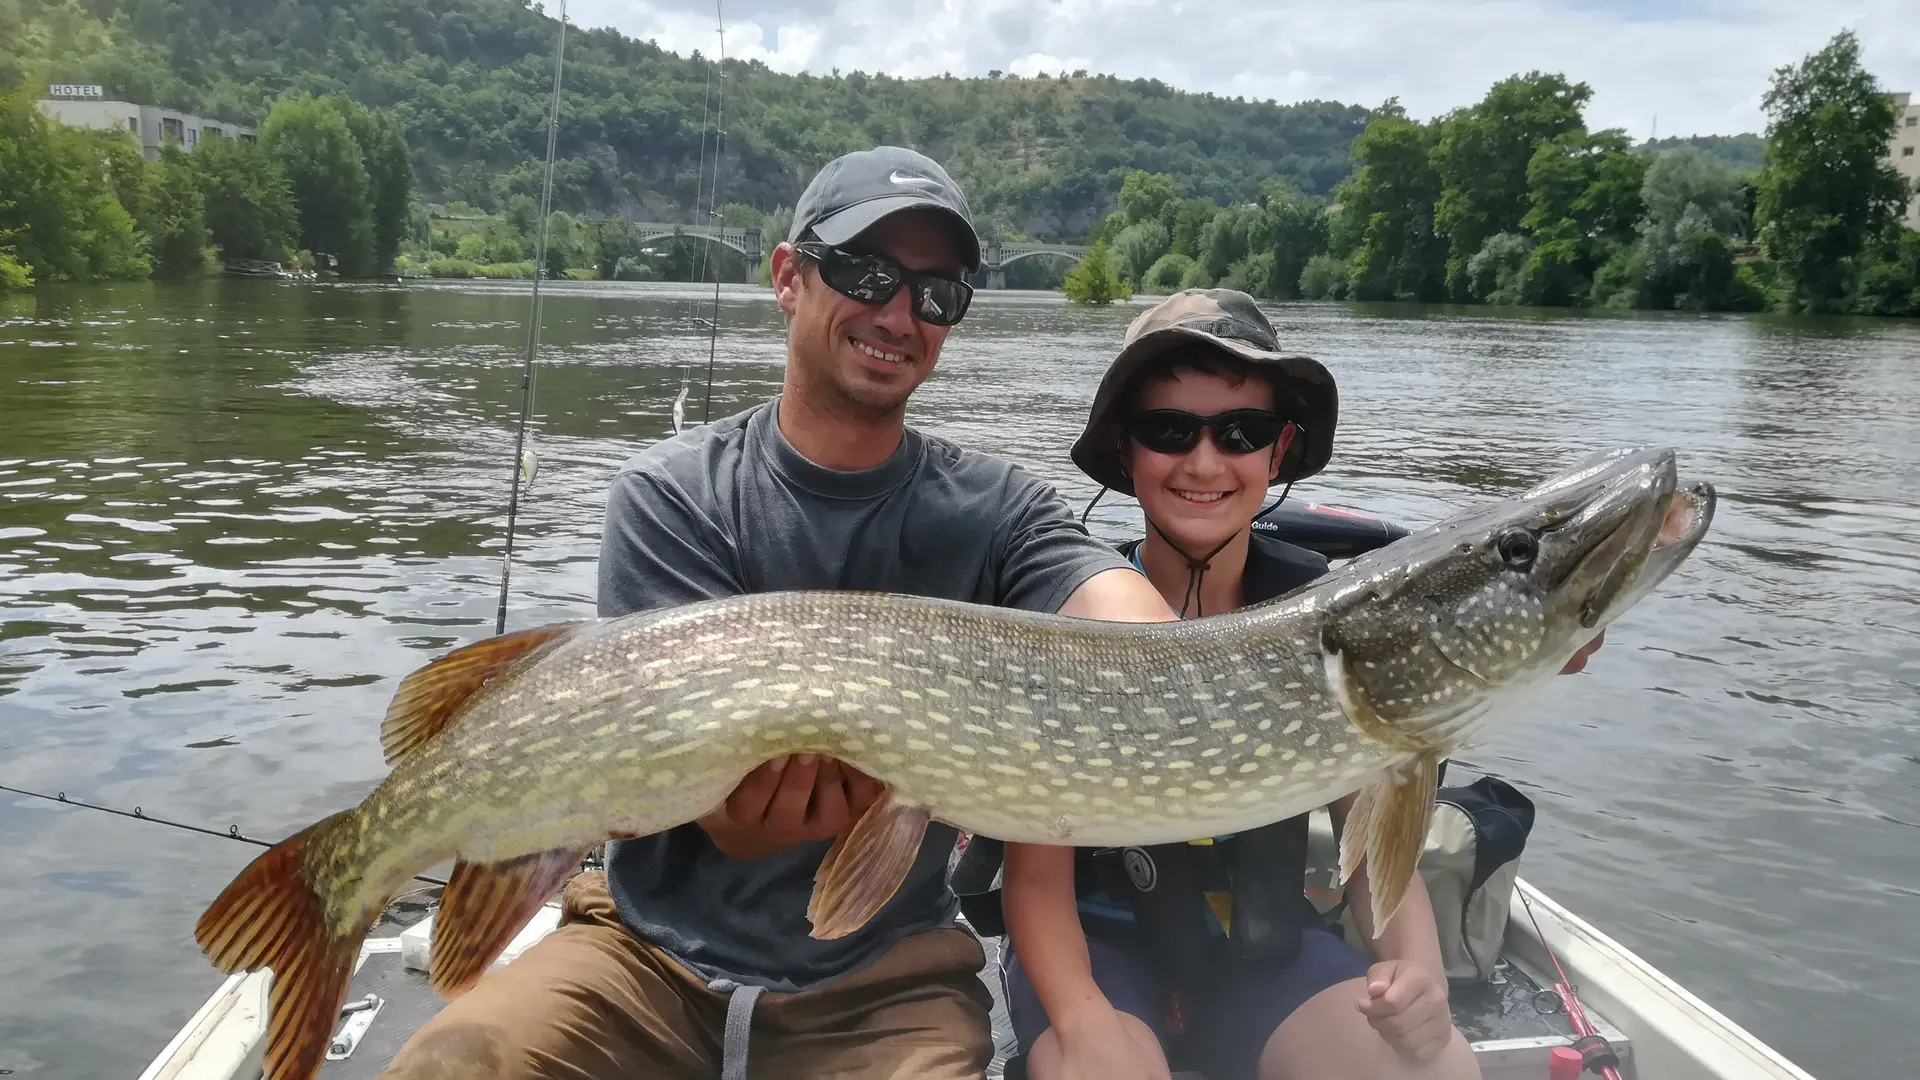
(865, 866)
(1388, 829)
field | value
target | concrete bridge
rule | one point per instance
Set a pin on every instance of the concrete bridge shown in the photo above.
(994, 260)
(744, 241)
(1000, 254)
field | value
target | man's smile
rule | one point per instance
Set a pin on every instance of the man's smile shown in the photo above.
(878, 352)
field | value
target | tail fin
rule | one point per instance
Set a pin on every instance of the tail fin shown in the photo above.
(273, 916)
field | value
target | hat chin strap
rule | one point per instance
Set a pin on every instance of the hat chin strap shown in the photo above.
(1196, 569)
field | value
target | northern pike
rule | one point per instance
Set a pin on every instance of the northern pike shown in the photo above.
(517, 755)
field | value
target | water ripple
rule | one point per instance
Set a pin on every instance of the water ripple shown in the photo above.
(233, 514)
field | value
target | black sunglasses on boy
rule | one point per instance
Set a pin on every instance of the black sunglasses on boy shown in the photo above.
(1176, 431)
(874, 279)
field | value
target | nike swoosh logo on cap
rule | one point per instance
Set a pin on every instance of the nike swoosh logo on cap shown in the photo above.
(899, 177)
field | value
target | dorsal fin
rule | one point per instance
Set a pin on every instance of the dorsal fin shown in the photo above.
(428, 697)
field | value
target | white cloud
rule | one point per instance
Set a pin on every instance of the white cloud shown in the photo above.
(1701, 66)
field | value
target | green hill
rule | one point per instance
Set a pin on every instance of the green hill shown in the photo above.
(468, 81)
(1741, 153)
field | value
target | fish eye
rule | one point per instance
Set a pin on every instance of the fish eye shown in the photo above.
(1517, 548)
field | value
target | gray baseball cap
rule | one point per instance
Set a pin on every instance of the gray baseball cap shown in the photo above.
(853, 191)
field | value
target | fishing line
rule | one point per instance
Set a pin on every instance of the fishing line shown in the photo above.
(520, 465)
(699, 259)
(232, 833)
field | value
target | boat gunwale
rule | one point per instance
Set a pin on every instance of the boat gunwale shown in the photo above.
(1662, 1020)
(1661, 1023)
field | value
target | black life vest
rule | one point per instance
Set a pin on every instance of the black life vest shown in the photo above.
(1165, 886)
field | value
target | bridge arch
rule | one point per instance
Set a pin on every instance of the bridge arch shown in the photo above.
(744, 241)
(1063, 252)
(1000, 254)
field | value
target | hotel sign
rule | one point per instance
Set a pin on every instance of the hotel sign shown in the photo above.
(76, 90)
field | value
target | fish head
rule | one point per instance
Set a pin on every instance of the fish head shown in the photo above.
(1422, 633)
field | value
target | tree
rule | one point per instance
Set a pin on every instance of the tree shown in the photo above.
(1292, 230)
(1385, 224)
(1682, 256)
(1141, 245)
(1164, 276)
(1227, 238)
(1825, 192)
(13, 273)
(328, 178)
(1890, 283)
(1497, 273)
(1190, 217)
(1094, 280)
(1325, 277)
(1688, 177)
(249, 201)
(1143, 195)
(1584, 197)
(59, 215)
(1483, 155)
(389, 171)
(173, 214)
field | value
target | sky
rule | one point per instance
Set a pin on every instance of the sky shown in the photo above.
(1689, 66)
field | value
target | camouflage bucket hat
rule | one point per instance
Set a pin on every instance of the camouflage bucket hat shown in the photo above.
(1230, 321)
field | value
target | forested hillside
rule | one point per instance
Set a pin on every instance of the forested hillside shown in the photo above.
(467, 80)
(1741, 153)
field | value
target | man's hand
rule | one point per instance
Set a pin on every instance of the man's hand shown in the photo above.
(786, 802)
(1407, 1005)
(1579, 660)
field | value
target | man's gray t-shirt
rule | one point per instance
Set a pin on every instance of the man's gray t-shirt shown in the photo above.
(732, 508)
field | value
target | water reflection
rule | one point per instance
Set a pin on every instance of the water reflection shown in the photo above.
(233, 513)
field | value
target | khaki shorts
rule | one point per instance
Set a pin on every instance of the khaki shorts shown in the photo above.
(591, 1001)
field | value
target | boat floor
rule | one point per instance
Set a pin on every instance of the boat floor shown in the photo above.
(1498, 1013)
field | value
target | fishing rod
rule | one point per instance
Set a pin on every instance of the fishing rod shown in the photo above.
(713, 204)
(708, 110)
(138, 814)
(1590, 1052)
(522, 466)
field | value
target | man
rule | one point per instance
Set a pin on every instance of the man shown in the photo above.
(658, 968)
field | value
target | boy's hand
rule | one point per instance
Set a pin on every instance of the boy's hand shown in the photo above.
(1407, 1005)
(1098, 1043)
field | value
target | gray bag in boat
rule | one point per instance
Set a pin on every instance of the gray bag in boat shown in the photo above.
(1469, 864)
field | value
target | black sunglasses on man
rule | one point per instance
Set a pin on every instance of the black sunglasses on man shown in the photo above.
(874, 279)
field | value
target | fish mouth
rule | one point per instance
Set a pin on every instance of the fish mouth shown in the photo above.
(1654, 538)
(1689, 513)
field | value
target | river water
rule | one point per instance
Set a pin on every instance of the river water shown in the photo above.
(233, 513)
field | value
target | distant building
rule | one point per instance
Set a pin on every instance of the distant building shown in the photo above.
(83, 105)
(1904, 149)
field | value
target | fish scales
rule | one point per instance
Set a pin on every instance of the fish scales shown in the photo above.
(516, 754)
(1021, 729)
